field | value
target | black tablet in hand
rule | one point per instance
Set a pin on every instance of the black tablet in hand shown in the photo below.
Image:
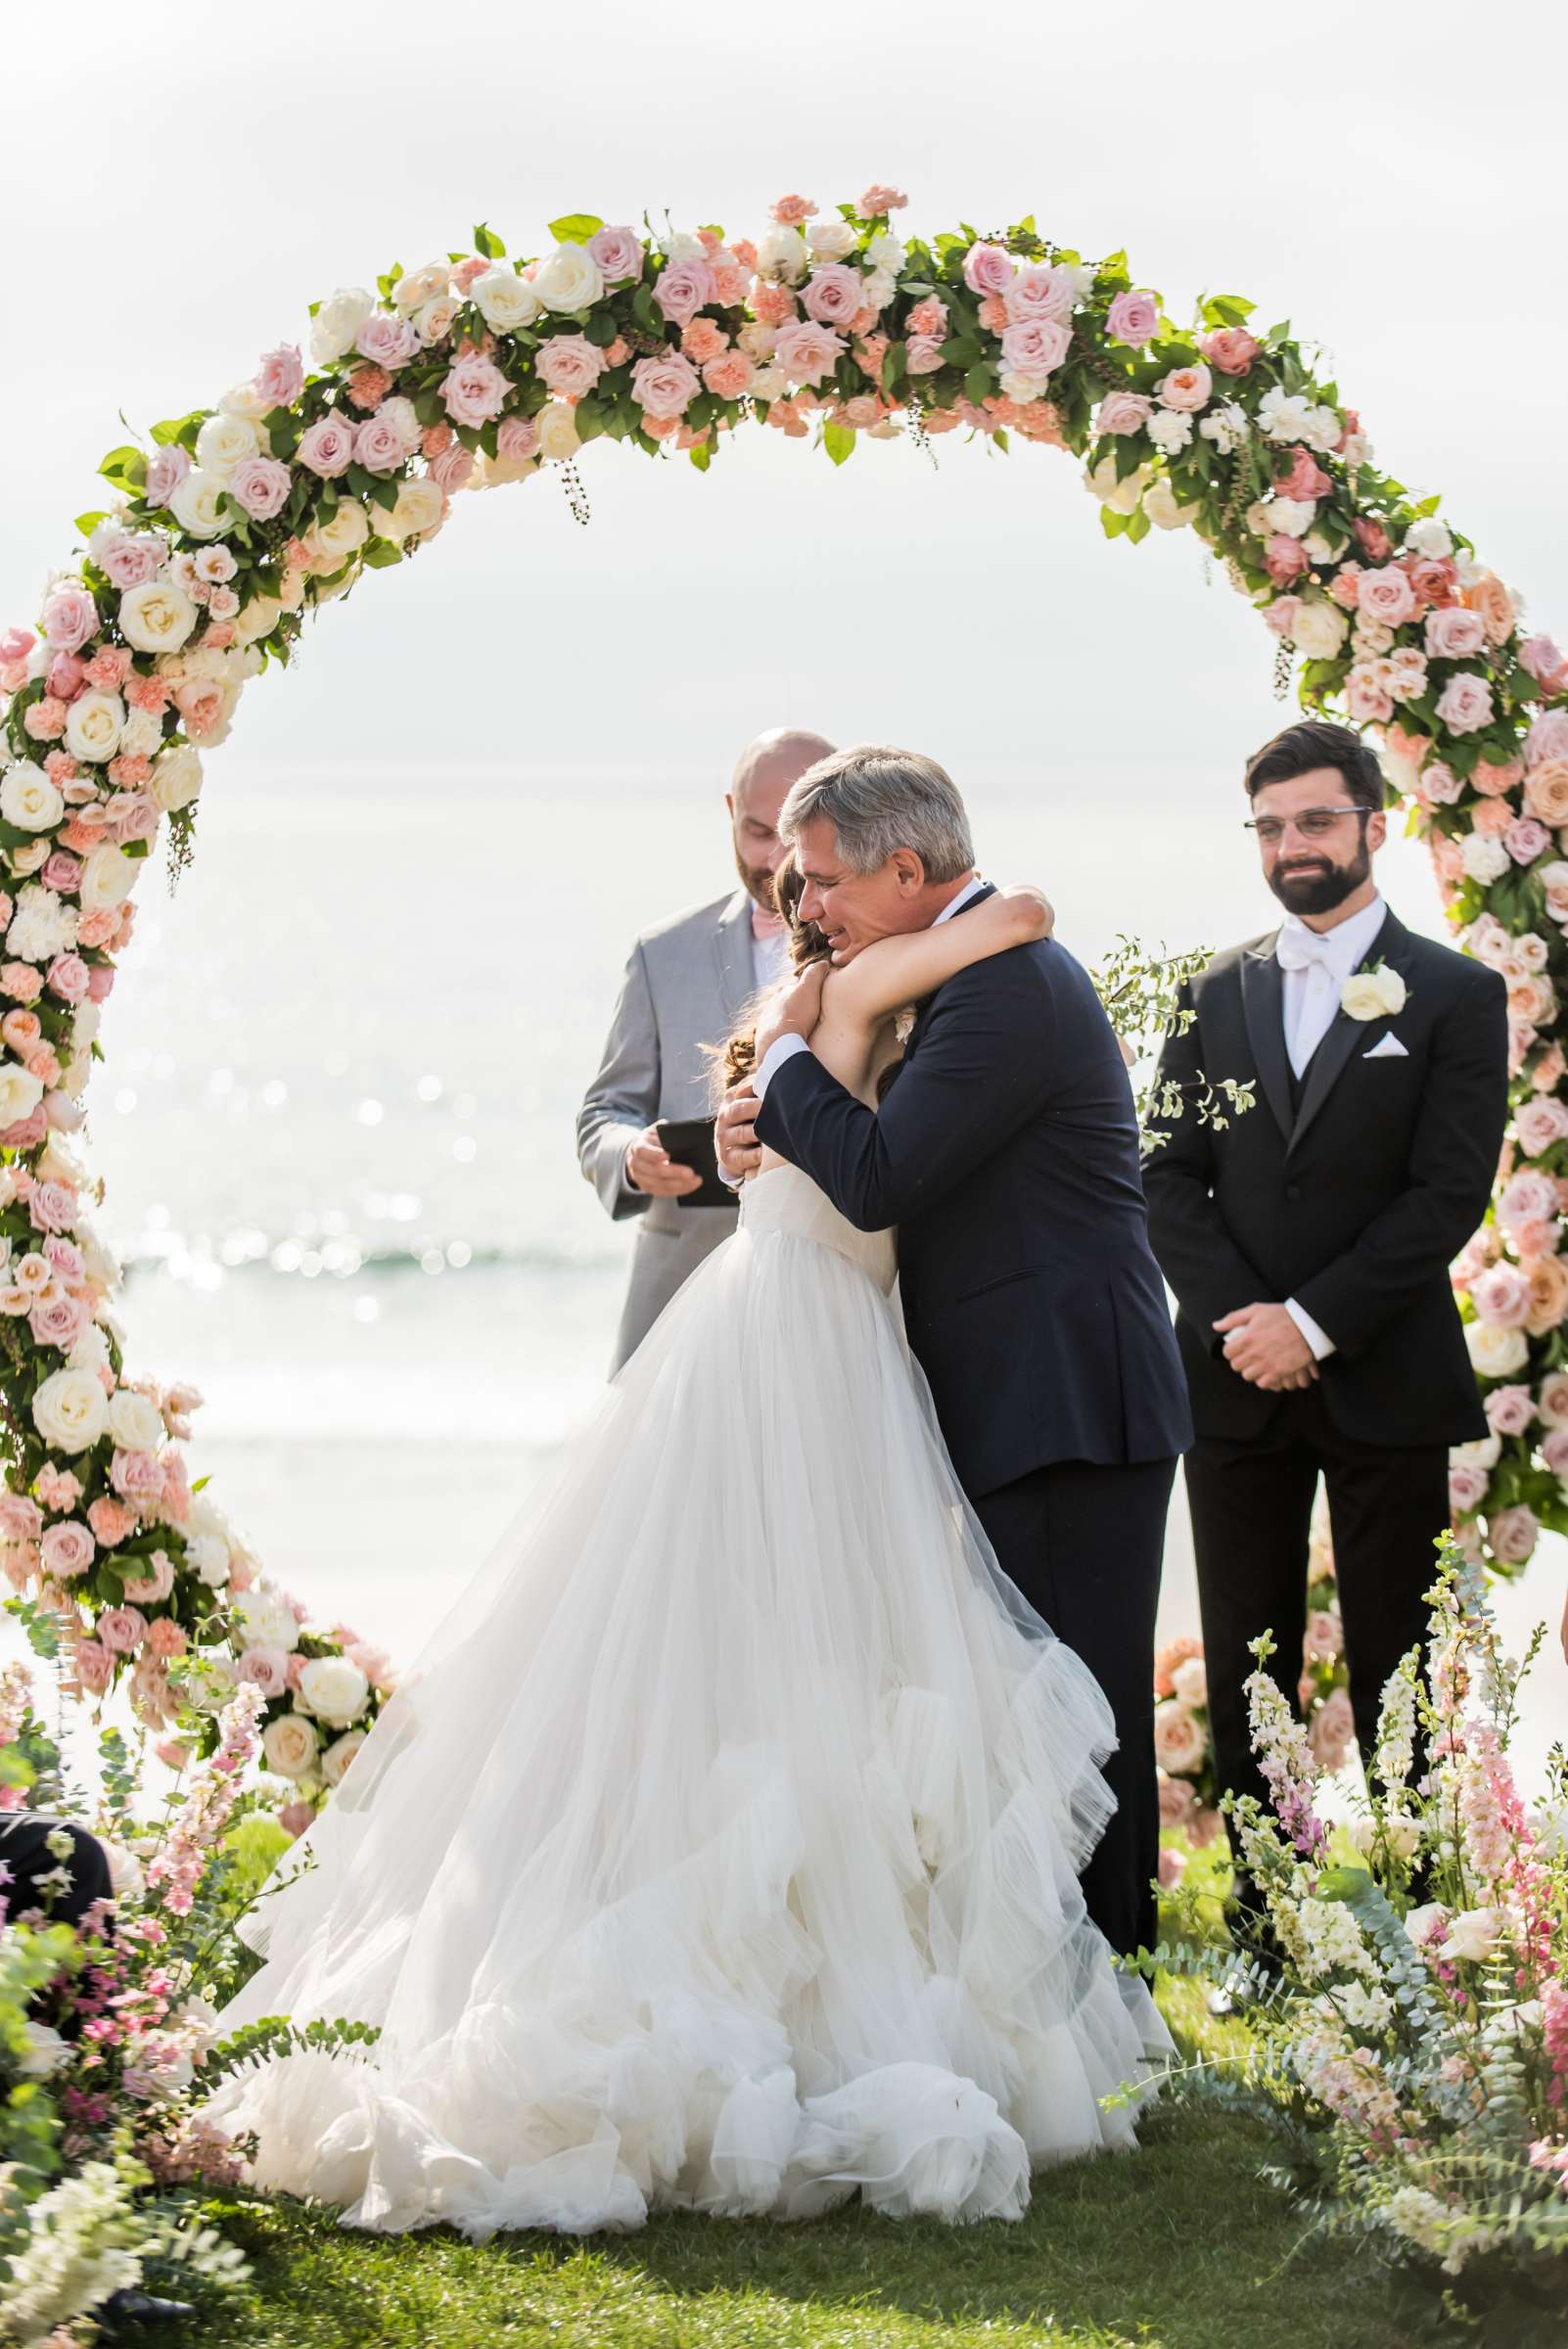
(689, 1141)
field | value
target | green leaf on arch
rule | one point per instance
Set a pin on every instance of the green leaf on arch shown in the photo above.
(381, 554)
(180, 431)
(839, 441)
(702, 455)
(125, 469)
(575, 228)
(488, 243)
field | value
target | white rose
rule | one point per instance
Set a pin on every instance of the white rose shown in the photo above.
(158, 617)
(135, 1423)
(435, 320)
(94, 725)
(558, 432)
(1294, 516)
(263, 1617)
(58, 1163)
(1256, 517)
(1372, 994)
(1177, 1738)
(108, 876)
(225, 442)
(21, 1093)
(195, 505)
(91, 1350)
(1486, 860)
(46, 2051)
(338, 1756)
(770, 382)
(831, 240)
(781, 255)
(330, 543)
(259, 617)
(334, 1689)
(1120, 496)
(505, 300)
(1170, 428)
(1473, 1934)
(243, 399)
(141, 733)
(418, 510)
(207, 1556)
(28, 799)
(1163, 509)
(1321, 629)
(568, 280)
(338, 321)
(205, 1519)
(1495, 1352)
(1429, 538)
(1190, 1682)
(1485, 1451)
(421, 286)
(70, 1411)
(290, 1745)
(177, 778)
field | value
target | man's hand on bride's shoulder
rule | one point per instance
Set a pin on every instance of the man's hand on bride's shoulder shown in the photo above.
(735, 1144)
(793, 1010)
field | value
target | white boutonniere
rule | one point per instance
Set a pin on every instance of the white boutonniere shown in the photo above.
(1375, 993)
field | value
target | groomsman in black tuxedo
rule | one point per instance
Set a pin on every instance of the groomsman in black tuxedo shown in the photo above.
(1309, 1239)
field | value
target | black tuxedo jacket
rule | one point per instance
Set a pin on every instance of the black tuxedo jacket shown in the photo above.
(1353, 1203)
(1006, 1153)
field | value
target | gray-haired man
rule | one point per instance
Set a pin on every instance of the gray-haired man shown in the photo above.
(687, 982)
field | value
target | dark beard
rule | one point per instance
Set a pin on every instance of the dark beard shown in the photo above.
(758, 883)
(1320, 891)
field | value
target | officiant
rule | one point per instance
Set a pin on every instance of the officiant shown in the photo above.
(687, 982)
(1307, 1240)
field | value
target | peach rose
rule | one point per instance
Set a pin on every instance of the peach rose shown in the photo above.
(1488, 596)
(730, 375)
(1546, 793)
(1547, 1295)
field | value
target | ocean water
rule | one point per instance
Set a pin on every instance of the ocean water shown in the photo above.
(335, 1121)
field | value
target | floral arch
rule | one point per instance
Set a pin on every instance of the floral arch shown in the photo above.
(475, 370)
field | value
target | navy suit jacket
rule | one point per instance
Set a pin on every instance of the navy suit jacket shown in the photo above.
(1006, 1153)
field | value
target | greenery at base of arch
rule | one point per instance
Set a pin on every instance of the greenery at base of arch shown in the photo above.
(227, 526)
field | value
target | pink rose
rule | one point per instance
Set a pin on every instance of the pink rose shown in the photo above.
(833, 293)
(1509, 1411)
(1284, 560)
(1040, 290)
(68, 1548)
(1467, 1486)
(1554, 1450)
(987, 269)
(878, 202)
(1501, 1294)
(517, 437)
(683, 289)
(379, 445)
(570, 364)
(1035, 347)
(667, 385)
(69, 620)
(1439, 783)
(260, 486)
(58, 1320)
(296, 1817)
(151, 1590)
(93, 1665)
(1372, 539)
(1547, 738)
(64, 676)
(328, 446)
(1552, 1400)
(1185, 390)
(1453, 633)
(1282, 614)
(58, 1488)
(1539, 1124)
(1123, 412)
(130, 559)
(1177, 1801)
(1305, 479)
(1386, 595)
(61, 871)
(1512, 1534)
(474, 390)
(387, 340)
(452, 468)
(1540, 658)
(20, 1519)
(731, 375)
(280, 377)
(806, 350)
(122, 1630)
(1332, 1730)
(1466, 702)
(100, 977)
(618, 252)
(267, 1668)
(137, 1476)
(922, 354)
(166, 470)
(1133, 318)
(52, 1206)
(1231, 350)
(1525, 840)
(789, 210)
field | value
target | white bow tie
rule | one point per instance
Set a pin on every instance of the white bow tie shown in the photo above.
(1302, 951)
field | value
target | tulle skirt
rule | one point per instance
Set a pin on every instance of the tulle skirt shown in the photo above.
(721, 1853)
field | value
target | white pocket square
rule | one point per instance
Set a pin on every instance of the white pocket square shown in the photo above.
(1387, 1047)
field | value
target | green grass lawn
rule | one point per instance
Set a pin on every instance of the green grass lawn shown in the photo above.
(1180, 2246)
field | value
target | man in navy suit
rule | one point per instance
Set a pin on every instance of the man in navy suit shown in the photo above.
(1006, 1153)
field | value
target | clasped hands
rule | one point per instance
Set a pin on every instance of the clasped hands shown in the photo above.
(1265, 1348)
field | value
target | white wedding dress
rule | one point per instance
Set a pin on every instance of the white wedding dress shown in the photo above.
(722, 1854)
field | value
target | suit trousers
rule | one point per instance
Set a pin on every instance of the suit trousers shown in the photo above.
(1084, 1543)
(1252, 1506)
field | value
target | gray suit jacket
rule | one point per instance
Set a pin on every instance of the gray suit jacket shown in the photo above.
(687, 982)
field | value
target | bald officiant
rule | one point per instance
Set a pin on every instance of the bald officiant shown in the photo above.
(687, 982)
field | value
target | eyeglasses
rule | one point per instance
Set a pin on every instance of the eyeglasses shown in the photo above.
(1313, 823)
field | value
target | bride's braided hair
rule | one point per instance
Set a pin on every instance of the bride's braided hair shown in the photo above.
(737, 1059)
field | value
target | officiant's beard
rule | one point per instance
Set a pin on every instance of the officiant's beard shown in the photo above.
(1319, 885)
(758, 882)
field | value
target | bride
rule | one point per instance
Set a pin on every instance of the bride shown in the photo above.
(722, 1852)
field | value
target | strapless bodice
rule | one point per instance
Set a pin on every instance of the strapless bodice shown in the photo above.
(783, 1200)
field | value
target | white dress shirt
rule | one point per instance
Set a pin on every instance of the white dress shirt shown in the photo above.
(785, 1048)
(1315, 965)
(770, 959)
